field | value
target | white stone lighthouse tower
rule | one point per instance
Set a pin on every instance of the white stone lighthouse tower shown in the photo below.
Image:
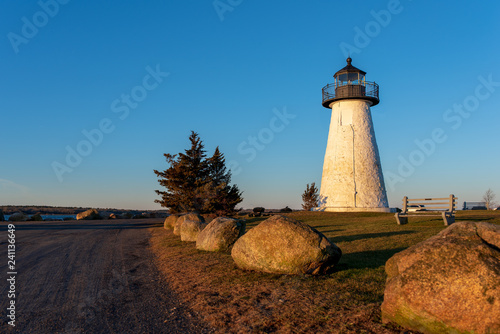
(352, 175)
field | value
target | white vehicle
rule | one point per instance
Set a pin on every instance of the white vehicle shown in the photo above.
(415, 208)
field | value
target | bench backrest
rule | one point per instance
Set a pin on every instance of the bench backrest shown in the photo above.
(432, 204)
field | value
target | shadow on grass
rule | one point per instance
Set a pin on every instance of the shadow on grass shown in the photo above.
(348, 238)
(331, 231)
(367, 259)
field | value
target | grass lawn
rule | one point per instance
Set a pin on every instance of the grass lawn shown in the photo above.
(345, 301)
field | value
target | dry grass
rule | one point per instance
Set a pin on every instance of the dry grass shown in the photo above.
(346, 301)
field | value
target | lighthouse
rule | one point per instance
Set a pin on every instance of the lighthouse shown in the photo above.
(352, 178)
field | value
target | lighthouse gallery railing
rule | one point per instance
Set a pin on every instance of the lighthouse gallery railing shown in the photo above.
(340, 91)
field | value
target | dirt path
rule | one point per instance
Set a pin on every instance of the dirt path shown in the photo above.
(89, 277)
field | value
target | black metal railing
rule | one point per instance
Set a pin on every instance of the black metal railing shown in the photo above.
(366, 90)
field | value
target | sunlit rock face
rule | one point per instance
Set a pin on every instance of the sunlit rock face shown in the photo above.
(352, 175)
(190, 230)
(449, 283)
(282, 245)
(189, 216)
(169, 222)
(220, 234)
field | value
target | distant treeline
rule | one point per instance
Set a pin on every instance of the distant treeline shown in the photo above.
(59, 210)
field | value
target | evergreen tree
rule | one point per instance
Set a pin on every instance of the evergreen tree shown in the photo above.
(184, 178)
(310, 197)
(221, 197)
(197, 184)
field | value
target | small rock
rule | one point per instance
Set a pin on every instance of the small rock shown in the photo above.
(18, 217)
(106, 215)
(90, 214)
(36, 217)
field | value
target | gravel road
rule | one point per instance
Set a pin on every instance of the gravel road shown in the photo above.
(88, 277)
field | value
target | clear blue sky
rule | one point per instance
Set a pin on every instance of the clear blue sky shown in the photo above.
(146, 73)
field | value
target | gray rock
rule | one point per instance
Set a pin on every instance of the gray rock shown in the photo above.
(36, 217)
(90, 214)
(190, 229)
(189, 216)
(283, 245)
(169, 222)
(449, 283)
(220, 234)
(107, 215)
(18, 217)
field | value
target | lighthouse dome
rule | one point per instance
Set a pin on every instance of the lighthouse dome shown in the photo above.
(349, 69)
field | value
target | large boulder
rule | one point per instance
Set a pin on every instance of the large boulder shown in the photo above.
(18, 217)
(285, 246)
(220, 234)
(449, 283)
(189, 216)
(190, 230)
(169, 222)
(90, 214)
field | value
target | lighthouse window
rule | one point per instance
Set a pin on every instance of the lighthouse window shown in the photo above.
(353, 78)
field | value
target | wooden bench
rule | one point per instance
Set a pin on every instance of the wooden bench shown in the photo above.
(434, 207)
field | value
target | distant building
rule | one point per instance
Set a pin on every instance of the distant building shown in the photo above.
(474, 206)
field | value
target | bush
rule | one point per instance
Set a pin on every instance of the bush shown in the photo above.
(286, 209)
(258, 209)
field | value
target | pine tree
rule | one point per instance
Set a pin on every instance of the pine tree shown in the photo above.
(197, 184)
(310, 197)
(184, 178)
(221, 197)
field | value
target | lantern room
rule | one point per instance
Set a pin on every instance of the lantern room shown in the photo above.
(350, 83)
